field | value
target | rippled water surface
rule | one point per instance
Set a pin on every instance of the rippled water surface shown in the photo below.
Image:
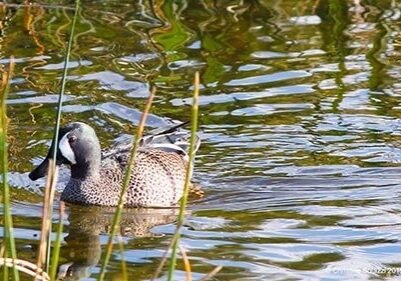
(300, 126)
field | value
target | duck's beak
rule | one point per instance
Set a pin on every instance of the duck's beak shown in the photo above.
(40, 170)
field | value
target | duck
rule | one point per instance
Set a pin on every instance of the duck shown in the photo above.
(157, 178)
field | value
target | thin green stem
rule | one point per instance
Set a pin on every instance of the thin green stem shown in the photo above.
(8, 223)
(124, 270)
(57, 243)
(5, 272)
(184, 200)
(64, 78)
(212, 273)
(58, 121)
(164, 258)
(127, 176)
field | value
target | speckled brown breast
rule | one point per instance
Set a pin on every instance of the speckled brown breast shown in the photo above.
(157, 180)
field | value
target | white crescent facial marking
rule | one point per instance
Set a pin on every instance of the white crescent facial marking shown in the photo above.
(66, 150)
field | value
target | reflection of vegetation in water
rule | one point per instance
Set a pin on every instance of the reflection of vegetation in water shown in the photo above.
(8, 247)
(174, 34)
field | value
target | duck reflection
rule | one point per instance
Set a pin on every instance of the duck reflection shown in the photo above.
(87, 224)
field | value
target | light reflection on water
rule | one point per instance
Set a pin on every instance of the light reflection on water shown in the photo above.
(299, 122)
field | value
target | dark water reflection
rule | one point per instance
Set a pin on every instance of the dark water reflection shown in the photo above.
(299, 121)
(86, 234)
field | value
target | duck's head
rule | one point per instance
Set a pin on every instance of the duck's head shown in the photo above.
(77, 146)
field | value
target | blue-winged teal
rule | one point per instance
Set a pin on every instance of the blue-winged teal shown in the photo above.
(157, 179)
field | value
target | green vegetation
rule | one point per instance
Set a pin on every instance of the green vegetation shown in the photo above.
(9, 249)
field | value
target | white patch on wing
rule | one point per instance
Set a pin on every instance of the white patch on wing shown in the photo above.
(66, 150)
(168, 147)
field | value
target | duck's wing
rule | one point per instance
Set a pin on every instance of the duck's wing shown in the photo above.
(170, 139)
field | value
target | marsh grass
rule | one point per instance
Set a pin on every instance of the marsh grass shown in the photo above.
(127, 176)
(57, 244)
(46, 219)
(9, 248)
(45, 237)
(174, 245)
(184, 199)
(212, 273)
(187, 264)
(25, 267)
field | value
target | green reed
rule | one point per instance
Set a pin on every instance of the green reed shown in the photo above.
(184, 199)
(174, 245)
(45, 238)
(57, 243)
(127, 176)
(8, 224)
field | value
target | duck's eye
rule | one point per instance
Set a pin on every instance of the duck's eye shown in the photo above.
(72, 139)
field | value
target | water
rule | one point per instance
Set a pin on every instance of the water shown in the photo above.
(299, 122)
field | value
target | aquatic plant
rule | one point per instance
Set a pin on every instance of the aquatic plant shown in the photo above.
(127, 176)
(44, 252)
(9, 247)
(45, 240)
(184, 200)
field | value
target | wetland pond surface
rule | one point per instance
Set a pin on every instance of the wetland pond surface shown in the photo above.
(300, 125)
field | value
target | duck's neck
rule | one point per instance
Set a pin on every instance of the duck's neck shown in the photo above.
(86, 170)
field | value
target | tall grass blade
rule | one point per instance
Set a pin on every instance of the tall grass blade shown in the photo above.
(57, 127)
(26, 267)
(44, 249)
(123, 262)
(45, 222)
(5, 272)
(184, 200)
(164, 259)
(127, 176)
(187, 264)
(8, 224)
(57, 243)
(212, 273)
